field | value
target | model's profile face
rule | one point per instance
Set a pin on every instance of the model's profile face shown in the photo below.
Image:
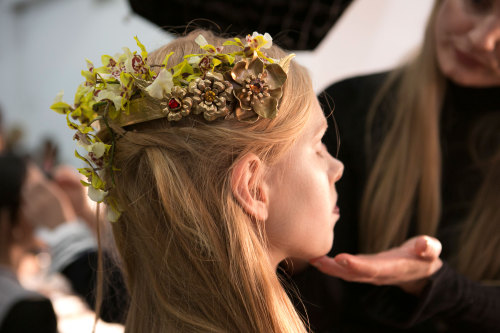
(302, 204)
(468, 41)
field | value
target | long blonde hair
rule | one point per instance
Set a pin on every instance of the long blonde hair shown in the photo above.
(194, 261)
(405, 179)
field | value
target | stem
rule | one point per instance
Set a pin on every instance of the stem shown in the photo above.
(113, 142)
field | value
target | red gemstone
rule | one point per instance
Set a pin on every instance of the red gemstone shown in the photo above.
(173, 104)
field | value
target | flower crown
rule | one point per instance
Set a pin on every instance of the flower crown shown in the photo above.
(244, 84)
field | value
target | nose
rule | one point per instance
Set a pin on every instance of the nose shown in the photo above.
(485, 36)
(336, 170)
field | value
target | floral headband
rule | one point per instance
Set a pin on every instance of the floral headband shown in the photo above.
(244, 84)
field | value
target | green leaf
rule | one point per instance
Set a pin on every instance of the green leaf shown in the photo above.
(97, 182)
(84, 183)
(165, 61)
(77, 155)
(85, 171)
(61, 107)
(144, 53)
(71, 124)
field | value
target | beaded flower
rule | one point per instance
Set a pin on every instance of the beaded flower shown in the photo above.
(244, 84)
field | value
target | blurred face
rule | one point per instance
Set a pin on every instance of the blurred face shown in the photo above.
(467, 37)
(302, 199)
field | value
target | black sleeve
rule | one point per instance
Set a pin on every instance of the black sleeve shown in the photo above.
(30, 316)
(456, 303)
(82, 274)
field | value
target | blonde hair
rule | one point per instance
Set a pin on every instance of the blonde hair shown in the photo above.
(194, 261)
(405, 179)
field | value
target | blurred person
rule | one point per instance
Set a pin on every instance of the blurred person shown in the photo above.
(421, 146)
(21, 310)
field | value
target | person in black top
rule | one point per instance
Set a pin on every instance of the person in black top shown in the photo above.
(421, 148)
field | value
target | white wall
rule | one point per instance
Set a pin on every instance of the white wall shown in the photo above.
(43, 47)
(372, 35)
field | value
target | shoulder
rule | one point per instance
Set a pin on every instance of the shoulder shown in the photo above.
(356, 92)
(348, 102)
(360, 83)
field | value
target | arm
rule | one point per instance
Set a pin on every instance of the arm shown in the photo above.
(456, 302)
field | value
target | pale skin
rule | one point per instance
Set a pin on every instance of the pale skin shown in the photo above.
(295, 198)
(407, 266)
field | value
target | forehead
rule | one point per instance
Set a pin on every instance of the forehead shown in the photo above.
(317, 120)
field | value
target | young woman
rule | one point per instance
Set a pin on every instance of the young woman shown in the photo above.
(422, 152)
(230, 179)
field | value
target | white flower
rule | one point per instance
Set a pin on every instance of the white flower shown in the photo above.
(112, 214)
(127, 60)
(113, 93)
(201, 41)
(194, 60)
(161, 85)
(96, 194)
(98, 149)
(264, 42)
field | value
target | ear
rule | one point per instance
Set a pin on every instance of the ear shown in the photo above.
(249, 188)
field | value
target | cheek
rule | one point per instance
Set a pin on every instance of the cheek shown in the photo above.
(302, 221)
(452, 24)
(453, 20)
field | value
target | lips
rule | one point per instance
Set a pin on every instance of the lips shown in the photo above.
(336, 210)
(467, 59)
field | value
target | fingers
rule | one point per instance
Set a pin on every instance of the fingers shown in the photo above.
(427, 247)
(330, 266)
(416, 259)
(348, 267)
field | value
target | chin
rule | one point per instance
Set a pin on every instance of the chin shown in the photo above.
(325, 249)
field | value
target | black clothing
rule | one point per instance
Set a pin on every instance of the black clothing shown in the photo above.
(82, 274)
(450, 303)
(29, 316)
(22, 310)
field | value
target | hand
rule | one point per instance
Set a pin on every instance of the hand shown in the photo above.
(407, 266)
(44, 203)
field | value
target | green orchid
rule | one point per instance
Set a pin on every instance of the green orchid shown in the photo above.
(59, 106)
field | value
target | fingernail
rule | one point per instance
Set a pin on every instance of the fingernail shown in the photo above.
(426, 247)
